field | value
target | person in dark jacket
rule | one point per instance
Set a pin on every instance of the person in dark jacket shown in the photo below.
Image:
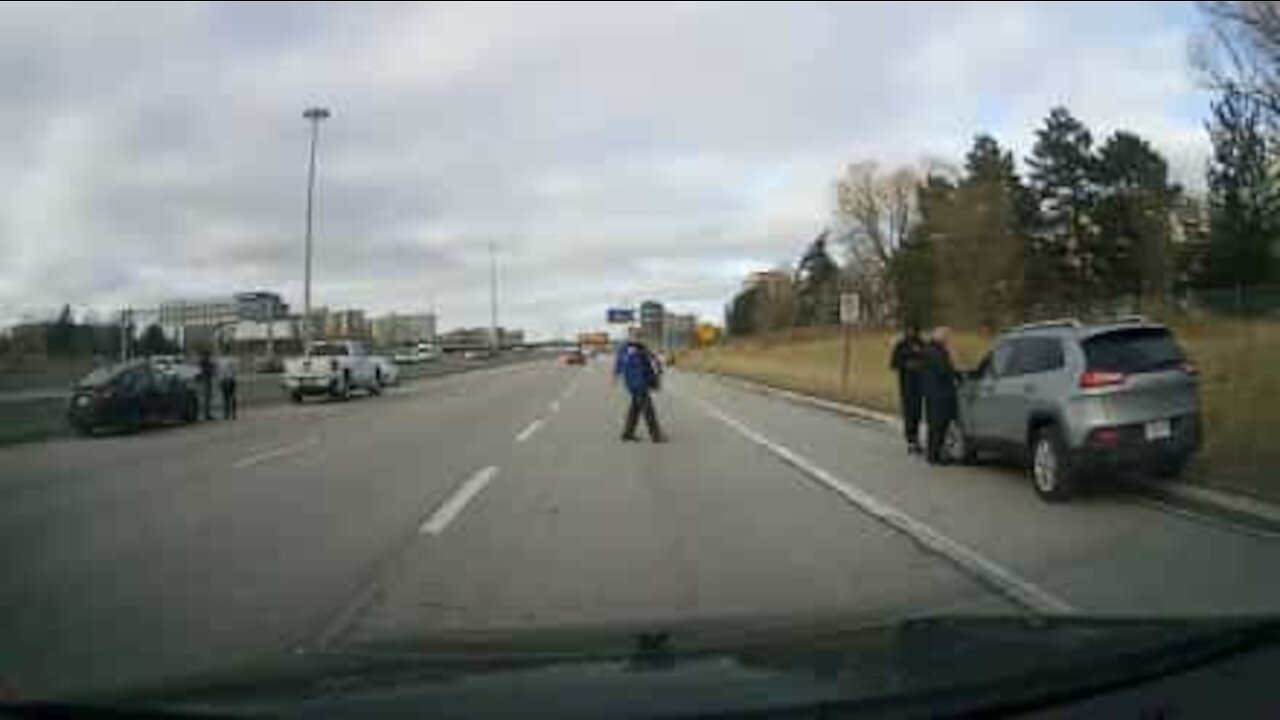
(640, 372)
(227, 384)
(207, 371)
(907, 361)
(940, 399)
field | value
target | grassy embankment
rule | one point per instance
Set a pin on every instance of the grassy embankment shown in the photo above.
(1239, 364)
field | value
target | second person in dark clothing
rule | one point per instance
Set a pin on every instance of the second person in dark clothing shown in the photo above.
(639, 371)
(907, 361)
(227, 384)
(940, 398)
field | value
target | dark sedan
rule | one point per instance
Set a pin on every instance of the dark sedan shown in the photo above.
(128, 396)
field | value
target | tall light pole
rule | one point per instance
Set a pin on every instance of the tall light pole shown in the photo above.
(493, 299)
(315, 115)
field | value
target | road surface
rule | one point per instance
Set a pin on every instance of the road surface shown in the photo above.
(502, 500)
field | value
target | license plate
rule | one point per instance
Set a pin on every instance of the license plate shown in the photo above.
(1158, 430)
(82, 401)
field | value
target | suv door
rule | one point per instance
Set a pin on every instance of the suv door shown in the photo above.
(984, 407)
(1035, 363)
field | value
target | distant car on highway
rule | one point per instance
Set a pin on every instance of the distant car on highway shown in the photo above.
(477, 354)
(130, 395)
(416, 356)
(573, 357)
(388, 371)
(1072, 399)
(333, 368)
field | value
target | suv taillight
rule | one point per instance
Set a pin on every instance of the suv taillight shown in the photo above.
(1100, 378)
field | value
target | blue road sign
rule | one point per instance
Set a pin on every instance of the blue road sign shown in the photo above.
(618, 316)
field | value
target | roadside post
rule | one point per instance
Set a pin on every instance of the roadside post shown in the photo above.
(850, 312)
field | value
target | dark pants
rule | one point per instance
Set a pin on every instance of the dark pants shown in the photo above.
(940, 410)
(911, 399)
(642, 402)
(206, 396)
(228, 398)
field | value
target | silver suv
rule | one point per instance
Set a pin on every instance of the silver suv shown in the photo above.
(1071, 401)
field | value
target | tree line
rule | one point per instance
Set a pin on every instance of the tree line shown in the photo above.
(1092, 226)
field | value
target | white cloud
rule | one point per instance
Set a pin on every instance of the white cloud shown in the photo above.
(615, 152)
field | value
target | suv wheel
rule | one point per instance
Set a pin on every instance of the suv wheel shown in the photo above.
(1051, 470)
(956, 447)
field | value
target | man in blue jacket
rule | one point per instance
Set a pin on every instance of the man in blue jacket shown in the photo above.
(642, 375)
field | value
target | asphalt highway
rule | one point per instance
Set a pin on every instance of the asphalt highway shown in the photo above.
(502, 500)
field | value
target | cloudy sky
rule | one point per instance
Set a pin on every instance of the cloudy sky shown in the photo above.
(613, 153)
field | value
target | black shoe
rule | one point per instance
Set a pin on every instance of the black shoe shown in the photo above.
(660, 439)
(913, 448)
(630, 438)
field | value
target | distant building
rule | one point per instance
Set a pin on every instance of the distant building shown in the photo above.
(260, 306)
(186, 313)
(776, 284)
(652, 317)
(404, 329)
(481, 338)
(193, 322)
(347, 325)
(680, 331)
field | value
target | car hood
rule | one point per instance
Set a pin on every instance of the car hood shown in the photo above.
(955, 665)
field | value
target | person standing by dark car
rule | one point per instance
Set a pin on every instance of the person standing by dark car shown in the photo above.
(227, 384)
(908, 361)
(207, 371)
(940, 398)
(640, 372)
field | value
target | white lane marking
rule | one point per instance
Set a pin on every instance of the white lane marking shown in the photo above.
(555, 406)
(450, 509)
(528, 432)
(266, 455)
(1020, 590)
(1207, 519)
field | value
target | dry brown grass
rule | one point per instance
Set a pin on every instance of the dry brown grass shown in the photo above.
(1239, 365)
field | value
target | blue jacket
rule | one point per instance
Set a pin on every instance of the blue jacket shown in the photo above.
(637, 367)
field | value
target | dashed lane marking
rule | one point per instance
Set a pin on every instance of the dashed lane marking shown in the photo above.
(457, 502)
(274, 453)
(528, 432)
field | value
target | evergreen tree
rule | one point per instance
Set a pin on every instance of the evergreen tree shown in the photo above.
(1063, 266)
(1134, 206)
(1244, 215)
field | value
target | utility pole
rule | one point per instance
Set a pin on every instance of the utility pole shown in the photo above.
(493, 298)
(315, 115)
(126, 319)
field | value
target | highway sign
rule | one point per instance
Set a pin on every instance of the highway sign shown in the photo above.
(850, 309)
(619, 316)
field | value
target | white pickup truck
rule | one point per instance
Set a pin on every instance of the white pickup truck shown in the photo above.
(333, 368)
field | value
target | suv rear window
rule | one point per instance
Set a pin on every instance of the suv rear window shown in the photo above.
(1133, 351)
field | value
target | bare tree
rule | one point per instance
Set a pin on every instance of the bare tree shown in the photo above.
(1240, 50)
(877, 210)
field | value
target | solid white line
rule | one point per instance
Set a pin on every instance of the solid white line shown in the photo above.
(446, 513)
(528, 432)
(273, 453)
(1020, 590)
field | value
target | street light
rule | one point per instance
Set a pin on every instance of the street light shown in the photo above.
(315, 115)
